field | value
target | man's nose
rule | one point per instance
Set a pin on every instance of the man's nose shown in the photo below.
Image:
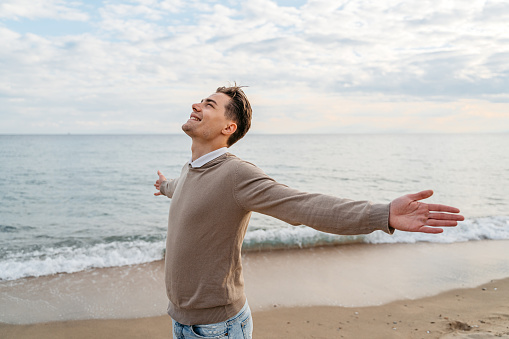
(196, 107)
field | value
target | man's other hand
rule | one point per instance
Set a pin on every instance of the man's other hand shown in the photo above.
(159, 182)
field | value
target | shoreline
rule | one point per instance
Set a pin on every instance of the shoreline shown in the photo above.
(479, 312)
(281, 286)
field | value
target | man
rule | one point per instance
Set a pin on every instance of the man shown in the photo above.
(212, 201)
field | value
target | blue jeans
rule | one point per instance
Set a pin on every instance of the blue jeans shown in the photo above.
(239, 326)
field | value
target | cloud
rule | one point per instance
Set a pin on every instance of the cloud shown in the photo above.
(363, 114)
(147, 61)
(36, 9)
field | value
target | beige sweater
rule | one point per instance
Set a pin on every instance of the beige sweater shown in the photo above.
(209, 214)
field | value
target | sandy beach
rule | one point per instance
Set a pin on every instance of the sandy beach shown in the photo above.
(481, 312)
(423, 290)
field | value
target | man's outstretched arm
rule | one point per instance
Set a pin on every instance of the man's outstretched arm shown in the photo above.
(408, 214)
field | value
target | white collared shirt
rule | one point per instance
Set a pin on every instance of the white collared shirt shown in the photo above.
(207, 157)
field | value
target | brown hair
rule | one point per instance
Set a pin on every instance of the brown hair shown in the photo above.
(238, 110)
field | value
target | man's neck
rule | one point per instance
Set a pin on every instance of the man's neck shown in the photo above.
(198, 149)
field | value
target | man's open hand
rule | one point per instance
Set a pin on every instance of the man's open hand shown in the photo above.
(410, 215)
(158, 182)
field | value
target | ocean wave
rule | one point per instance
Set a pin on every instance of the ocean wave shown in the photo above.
(120, 251)
(481, 228)
(294, 237)
(52, 260)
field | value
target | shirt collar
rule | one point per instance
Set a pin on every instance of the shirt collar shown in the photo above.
(207, 157)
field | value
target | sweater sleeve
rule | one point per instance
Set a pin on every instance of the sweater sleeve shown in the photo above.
(257, 192)
(168, 187)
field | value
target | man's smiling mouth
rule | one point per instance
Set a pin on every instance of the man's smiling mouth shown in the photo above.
(194, 117)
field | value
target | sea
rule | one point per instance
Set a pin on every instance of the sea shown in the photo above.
(70, 203)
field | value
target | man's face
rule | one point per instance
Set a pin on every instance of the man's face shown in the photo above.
(208, 117)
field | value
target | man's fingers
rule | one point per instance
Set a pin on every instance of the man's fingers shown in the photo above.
(421, 195)
(434, 230)
(161, 176)
(444, 219)
(446, 216)
(442, 208)
(157, 185)
(441, 223)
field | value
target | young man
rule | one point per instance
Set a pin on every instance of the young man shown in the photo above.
(212, 201)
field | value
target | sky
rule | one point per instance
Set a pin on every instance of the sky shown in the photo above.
(359, 66)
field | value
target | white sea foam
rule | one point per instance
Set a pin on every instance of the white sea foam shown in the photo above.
(70, 259)
(484, 228)
(73, 259)
(288, 236)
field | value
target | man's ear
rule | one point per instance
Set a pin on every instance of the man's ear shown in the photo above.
(230, 128)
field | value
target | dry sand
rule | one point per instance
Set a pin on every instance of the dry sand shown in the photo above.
(481, 312)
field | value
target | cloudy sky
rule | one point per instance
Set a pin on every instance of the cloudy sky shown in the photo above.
(312, 66)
